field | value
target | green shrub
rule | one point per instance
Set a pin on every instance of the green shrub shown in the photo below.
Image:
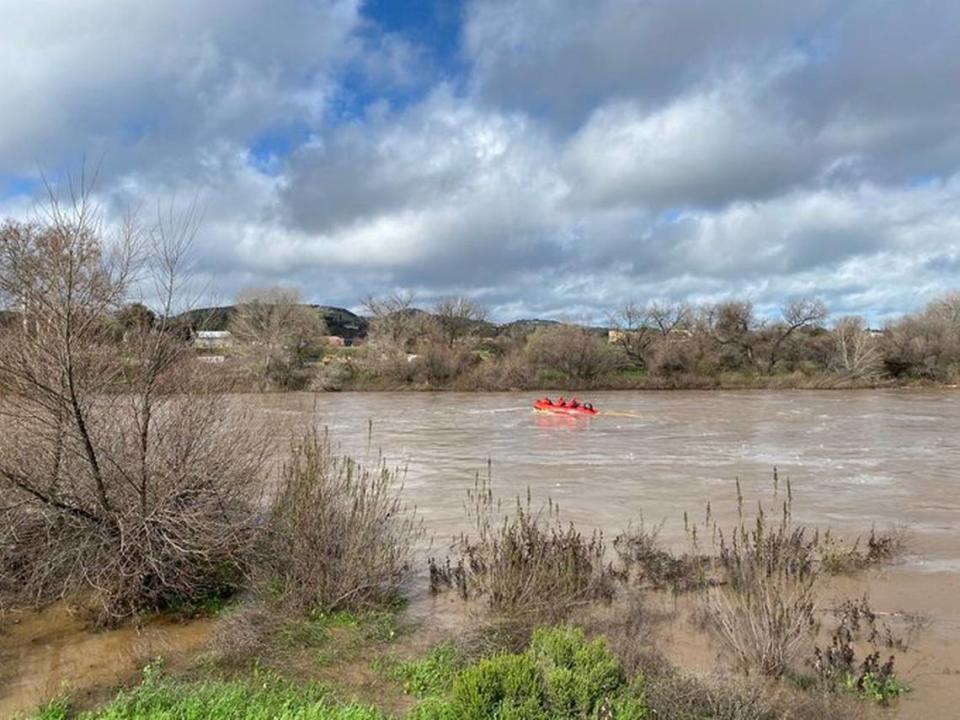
(503, 686)
(433, 708)
(561, 676)
(578, 675)
(879, 687)
(838, 665)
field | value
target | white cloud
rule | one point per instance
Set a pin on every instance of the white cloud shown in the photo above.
(590, 155)
(144, 80)
(708, 146)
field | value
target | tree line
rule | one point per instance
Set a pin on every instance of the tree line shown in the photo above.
(278, 342)
(658, 345)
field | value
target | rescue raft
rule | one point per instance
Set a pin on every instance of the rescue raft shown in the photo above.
(547, 405)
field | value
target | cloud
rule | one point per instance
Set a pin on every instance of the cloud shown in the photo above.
(709, 146)
(549, 158)
(562, 58)
(154, 81)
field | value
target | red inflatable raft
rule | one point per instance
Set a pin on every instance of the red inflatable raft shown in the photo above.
(546, 405)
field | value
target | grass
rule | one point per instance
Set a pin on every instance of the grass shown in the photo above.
(263, 697)
(431, 675)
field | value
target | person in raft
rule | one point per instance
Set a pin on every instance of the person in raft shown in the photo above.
(574, 403)
(561, 402)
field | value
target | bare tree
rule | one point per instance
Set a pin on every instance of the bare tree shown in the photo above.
(116, 486)
(275, 334)
(458, 318)
(947, 309)
(856, 352)
(669, 316)
(574, 351)
(733, 324)
(395, 324)
(633, 333)
(798, 314)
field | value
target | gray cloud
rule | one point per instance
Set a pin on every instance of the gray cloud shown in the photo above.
(159, 81)
(592, 154)
(563, 58)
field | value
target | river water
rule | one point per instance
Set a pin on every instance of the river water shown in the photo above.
(854, 459)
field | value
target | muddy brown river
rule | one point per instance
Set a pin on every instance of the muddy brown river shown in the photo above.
(855, 460)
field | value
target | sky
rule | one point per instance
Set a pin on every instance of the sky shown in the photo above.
(552, 159)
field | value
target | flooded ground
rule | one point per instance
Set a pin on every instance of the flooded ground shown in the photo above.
(854, 459)
(43, 655)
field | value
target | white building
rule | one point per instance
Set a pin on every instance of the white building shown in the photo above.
(212, 339)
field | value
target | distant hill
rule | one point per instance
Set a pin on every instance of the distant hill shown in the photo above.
(340, 321)
(350, 326)
(343, 322)
(522, 328)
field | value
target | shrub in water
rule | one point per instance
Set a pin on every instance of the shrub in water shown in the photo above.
(528, 565)
(340, 536)
(765, 610)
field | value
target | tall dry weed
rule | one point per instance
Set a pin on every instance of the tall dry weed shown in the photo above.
(340, 534)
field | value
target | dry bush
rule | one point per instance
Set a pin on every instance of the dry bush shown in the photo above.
(334, 376)
(630, 625)
(527, 565)
(764, 612)
(575, 352)
(673, 694)
(246, 633)
(439, 365)
(925, 344)
(837, 557)
(646, 563)
(339, 533)
(813, 705)
(275, 335)
(117, 488)
(178, 525)
(674, 356)
(509, 370)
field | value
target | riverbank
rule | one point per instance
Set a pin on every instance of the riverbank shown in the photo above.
(342, 372)
(855, 460)
(384, 664)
